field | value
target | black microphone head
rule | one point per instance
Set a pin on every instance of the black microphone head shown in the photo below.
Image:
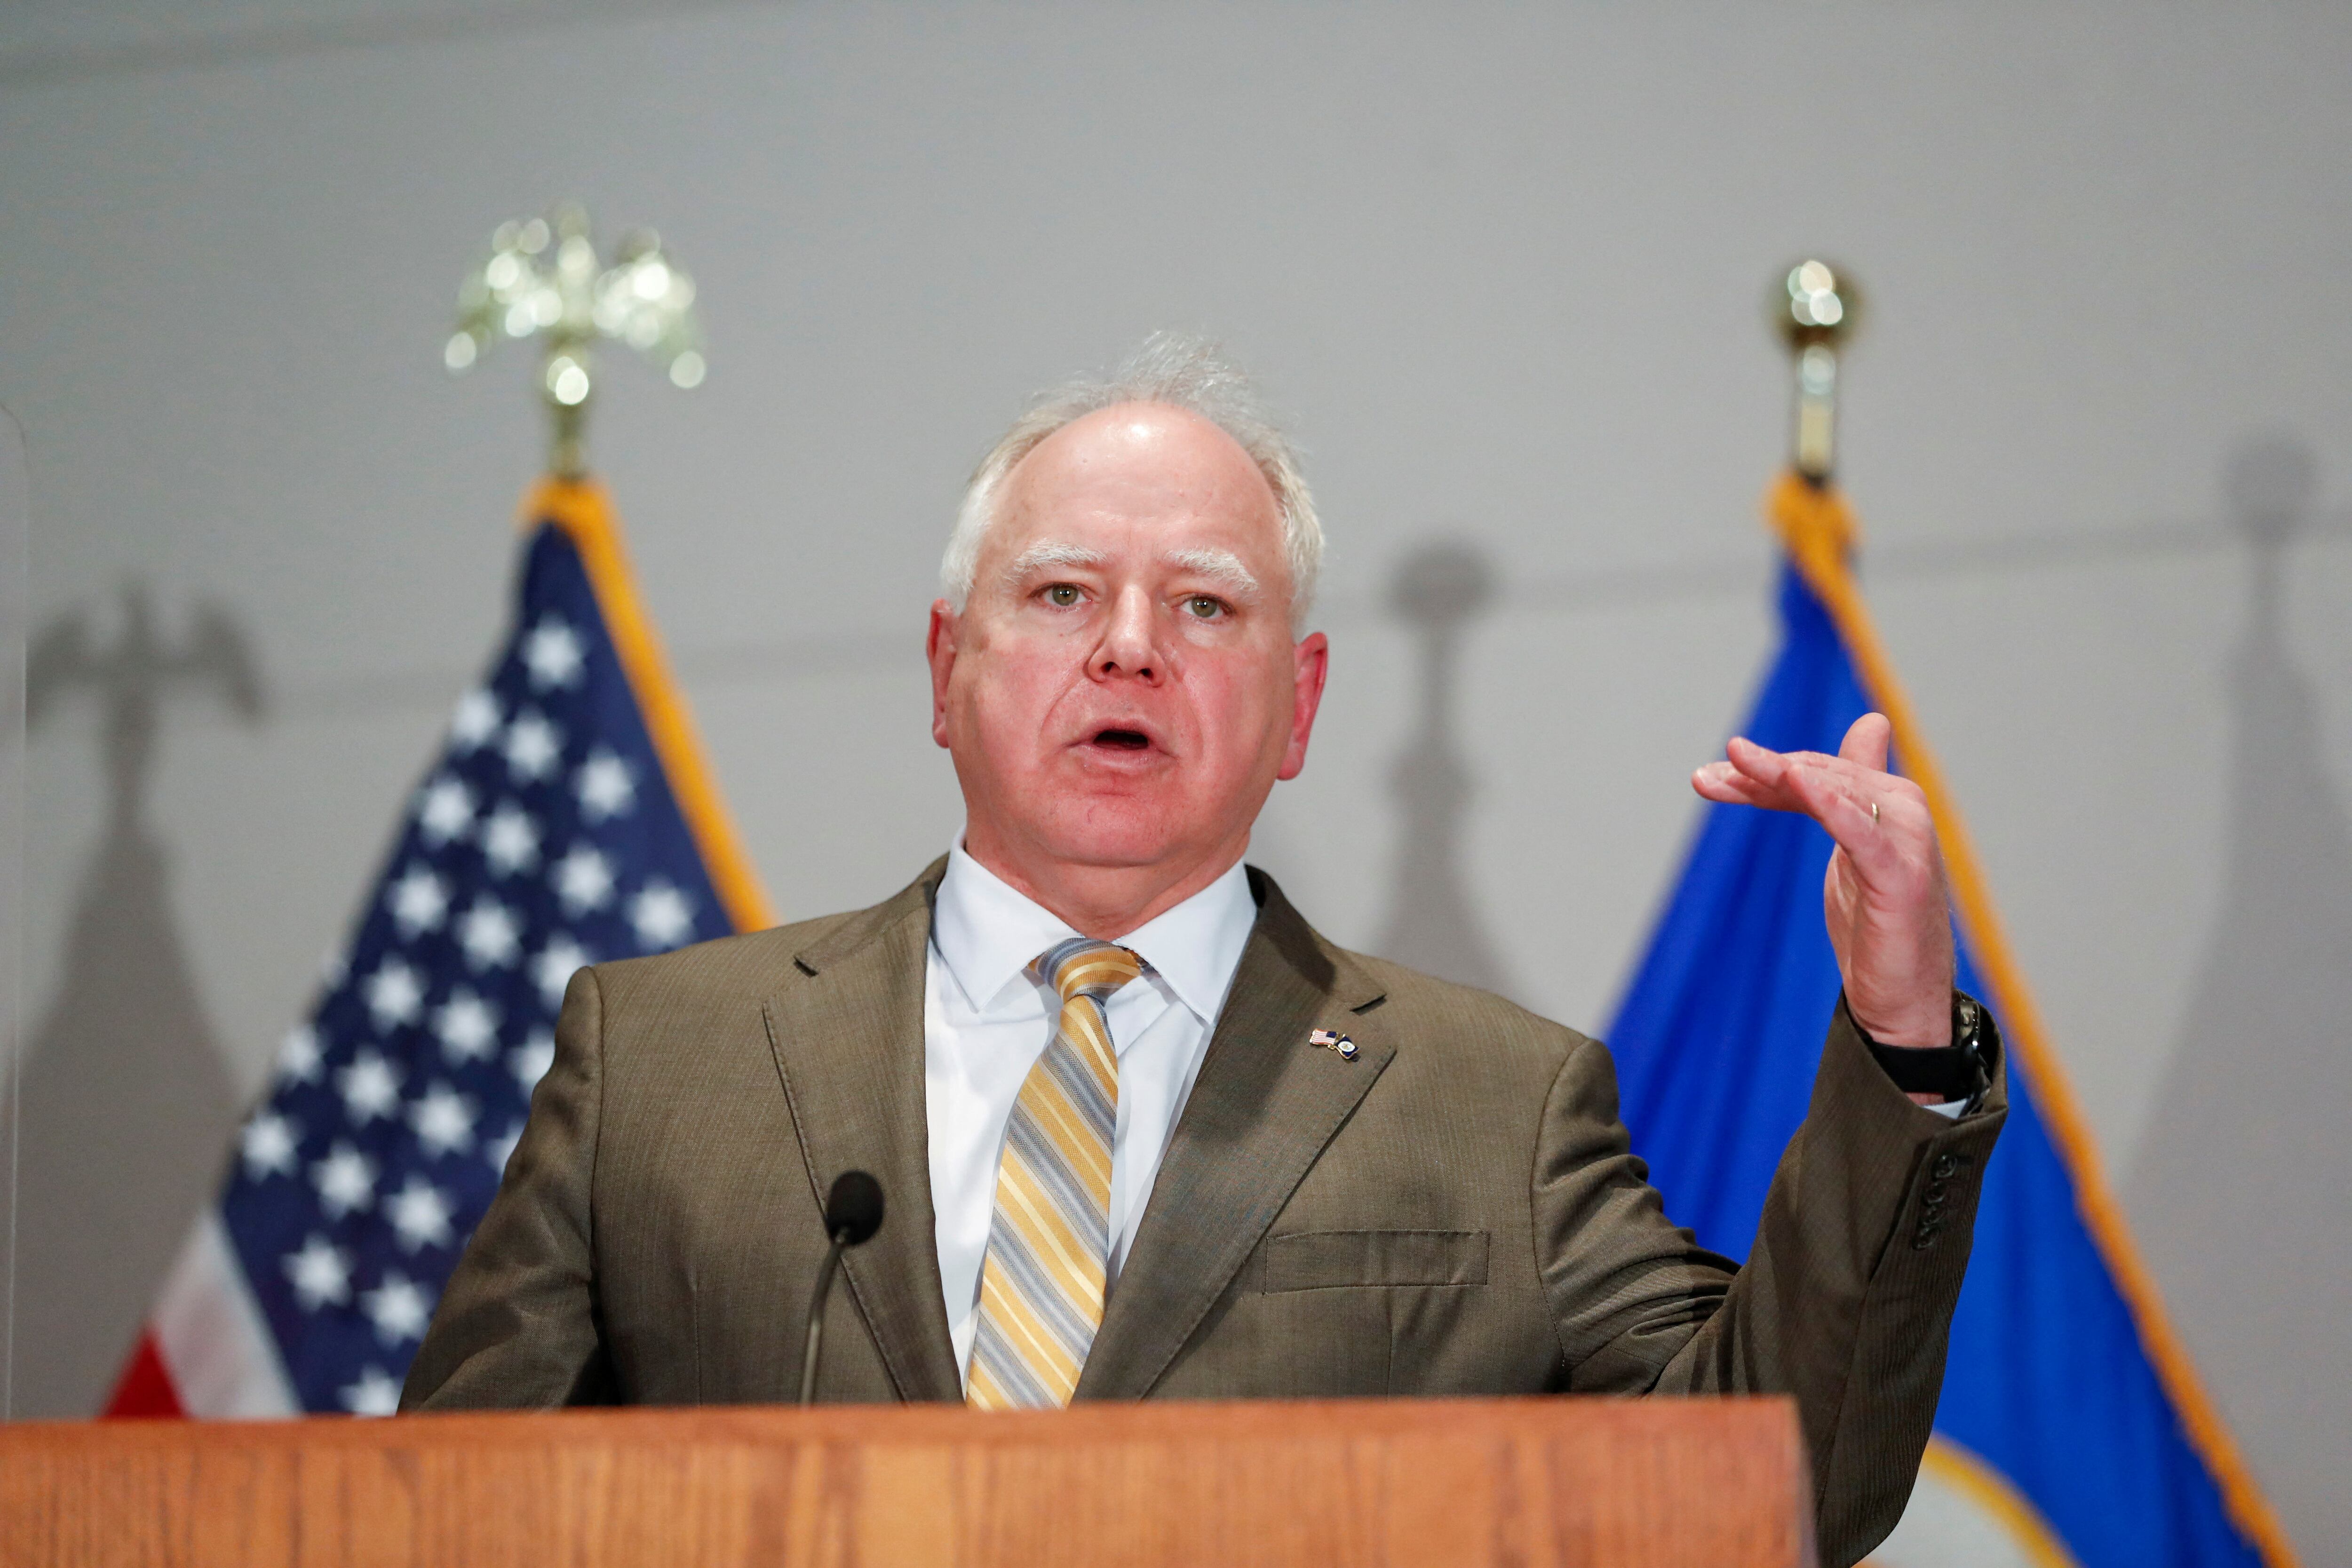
(853, 1210)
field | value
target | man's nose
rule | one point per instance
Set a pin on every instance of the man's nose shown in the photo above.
(1128, 647)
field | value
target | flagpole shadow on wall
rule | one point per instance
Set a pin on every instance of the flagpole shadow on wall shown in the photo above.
(126, 1103)
(2239, 1190)
(1433, 923)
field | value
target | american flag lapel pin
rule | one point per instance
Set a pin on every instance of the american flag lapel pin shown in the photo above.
(1339, 1043)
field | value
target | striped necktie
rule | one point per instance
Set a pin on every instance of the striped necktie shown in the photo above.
(1041, 1288)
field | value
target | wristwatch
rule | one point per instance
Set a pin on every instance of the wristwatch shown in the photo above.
(1961, 1070)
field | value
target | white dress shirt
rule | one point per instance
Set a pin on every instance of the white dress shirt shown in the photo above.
(985, 1023)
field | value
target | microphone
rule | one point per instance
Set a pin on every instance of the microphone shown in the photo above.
(853, 1213)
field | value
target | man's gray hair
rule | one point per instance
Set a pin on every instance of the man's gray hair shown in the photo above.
(1183, 373)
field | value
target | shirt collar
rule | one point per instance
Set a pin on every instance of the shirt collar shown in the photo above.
(1197, 945)
(987, 933)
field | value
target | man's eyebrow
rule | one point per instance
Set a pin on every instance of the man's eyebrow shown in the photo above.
(1043, 557)
(1222, 567)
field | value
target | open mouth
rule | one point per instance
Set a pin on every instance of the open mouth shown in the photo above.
(1123, 740)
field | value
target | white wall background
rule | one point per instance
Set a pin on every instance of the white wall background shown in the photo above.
(1503, 265)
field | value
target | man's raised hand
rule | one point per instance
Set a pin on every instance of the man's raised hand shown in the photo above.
(1888, 909)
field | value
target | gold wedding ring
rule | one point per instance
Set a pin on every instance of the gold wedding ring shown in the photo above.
(1873, 814)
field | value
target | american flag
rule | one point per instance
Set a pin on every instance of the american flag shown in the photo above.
(565, 822)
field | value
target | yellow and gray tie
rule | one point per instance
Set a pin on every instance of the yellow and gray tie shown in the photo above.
(1041, 1289)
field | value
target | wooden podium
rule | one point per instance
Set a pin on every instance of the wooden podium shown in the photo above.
(1594, 1483)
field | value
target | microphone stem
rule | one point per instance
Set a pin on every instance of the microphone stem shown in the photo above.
(816, 1315)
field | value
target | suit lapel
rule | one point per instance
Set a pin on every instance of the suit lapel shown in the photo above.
(1263, 1108)
(848, 1038)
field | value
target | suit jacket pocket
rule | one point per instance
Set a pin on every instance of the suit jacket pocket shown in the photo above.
(1318, 1260)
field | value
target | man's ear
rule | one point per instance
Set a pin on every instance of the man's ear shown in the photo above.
(1311, 663)
(940, 649)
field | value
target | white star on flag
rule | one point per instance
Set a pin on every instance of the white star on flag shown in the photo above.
(445, 810)
(420, 1213)
(298, 1054)
(553, 655)
(533, 746)
(393, 994)
(442, 1119)
(371, 1087)
(345, 1180)
(468, 1026)
(475, 720)
(489, 934)
(419, 902)
(510, 840)
(374, 1394)
(530, 1059)
(320, 1273)
(268, 1145)
(400, 1307)
(583, 880)
(662, 915)
(606, 786)
(556, 964)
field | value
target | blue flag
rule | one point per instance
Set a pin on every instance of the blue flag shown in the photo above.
(565, 822)
(2072, 1432)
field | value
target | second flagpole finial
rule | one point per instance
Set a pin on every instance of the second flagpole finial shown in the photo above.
(1815, 307)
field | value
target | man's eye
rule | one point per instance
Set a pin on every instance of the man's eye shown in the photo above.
(1205, 607)
(1062, 593)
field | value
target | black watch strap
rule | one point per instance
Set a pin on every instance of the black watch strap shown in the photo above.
(1958, 1071)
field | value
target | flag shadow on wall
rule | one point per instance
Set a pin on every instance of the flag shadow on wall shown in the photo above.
(1433, 923)
(2238, 1187)
(125, 1099)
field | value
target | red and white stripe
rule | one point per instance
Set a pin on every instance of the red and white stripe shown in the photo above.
(207, 1350)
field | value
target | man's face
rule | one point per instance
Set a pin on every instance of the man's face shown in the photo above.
(1121, 689)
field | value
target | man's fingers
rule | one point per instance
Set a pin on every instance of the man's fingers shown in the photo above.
(1839, 795)
(1766, 766)
(1866, 744)
(1837, 792)
(1816, 790)
(1756, 776)
(1727, 785)
(1839, 802)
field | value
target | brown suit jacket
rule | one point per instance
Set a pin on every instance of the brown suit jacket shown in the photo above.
(1454, 1212)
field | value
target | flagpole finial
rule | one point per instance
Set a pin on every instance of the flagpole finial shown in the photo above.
(542, 280)
(1815, 307)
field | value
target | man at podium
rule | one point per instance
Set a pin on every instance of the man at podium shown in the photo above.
(1143, 1132)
